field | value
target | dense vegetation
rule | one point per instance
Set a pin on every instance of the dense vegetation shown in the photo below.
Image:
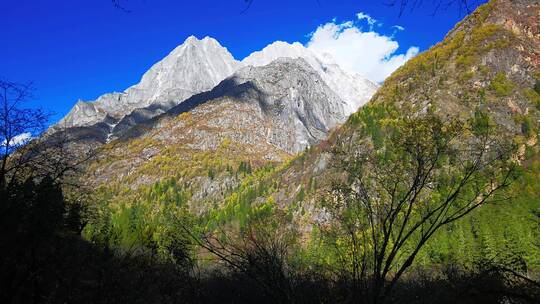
(430, 193)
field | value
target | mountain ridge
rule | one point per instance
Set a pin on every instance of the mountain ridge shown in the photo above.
(194, 67)
(171, 79)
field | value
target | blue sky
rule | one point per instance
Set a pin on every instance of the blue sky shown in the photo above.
(82, 49)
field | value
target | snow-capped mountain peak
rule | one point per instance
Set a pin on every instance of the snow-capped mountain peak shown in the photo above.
(353, 89)
(197, 65)
(276, 50)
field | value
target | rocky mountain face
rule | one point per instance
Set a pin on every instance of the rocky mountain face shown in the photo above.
(353, 89)
(264, 114)
(295, 105)
(198, 66)
(193, 67)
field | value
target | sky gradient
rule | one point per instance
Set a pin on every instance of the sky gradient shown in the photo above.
(75, 50)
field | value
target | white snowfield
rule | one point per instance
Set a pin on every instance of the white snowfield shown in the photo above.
(197, 66)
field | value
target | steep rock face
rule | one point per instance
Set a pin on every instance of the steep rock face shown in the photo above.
(294, 107)
(82, 114)
(258, 116)
(197, 66)
(353, 89)
(300, 107)
(193, 67)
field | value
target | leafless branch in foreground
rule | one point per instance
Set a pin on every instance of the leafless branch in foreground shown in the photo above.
(394, 199)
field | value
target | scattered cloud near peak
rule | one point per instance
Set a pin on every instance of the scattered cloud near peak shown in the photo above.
(369, 53)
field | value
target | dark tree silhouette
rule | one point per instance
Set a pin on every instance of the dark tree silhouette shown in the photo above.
(27, 151)
(17, 126)
(259, 252)
(464, 6)
(43, 258)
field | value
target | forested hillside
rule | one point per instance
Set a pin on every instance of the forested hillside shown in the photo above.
(429, 193)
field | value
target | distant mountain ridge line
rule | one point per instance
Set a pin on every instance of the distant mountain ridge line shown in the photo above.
(197, 66)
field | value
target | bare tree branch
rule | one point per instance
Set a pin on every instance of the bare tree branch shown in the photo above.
(428, 175)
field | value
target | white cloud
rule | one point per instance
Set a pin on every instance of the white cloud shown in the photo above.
(398, 27)
(369, 20)
(368, 53)
(18, 140)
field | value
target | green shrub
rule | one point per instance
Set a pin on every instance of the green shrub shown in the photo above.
(533, 97)
(537, 86)
(526, 126)
(480, 123)
(501, 85)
